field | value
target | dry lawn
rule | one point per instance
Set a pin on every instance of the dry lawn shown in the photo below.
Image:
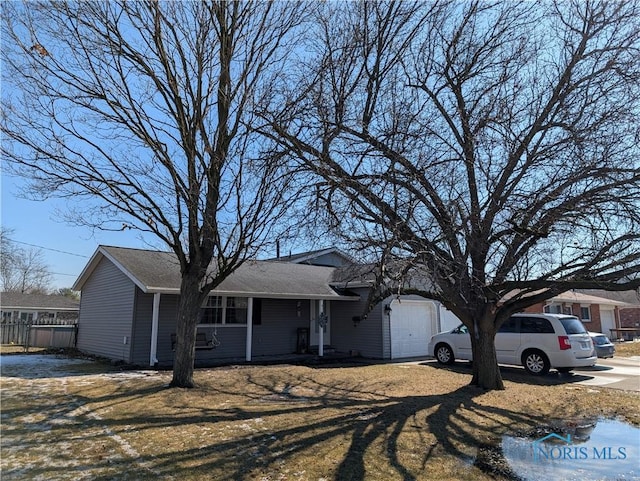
(377, 422)
(626, 349)
(17, 349)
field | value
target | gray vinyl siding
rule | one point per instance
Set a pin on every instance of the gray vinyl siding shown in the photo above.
(331, 259)
(364, 337)
(167, 319)
(232, 339)
(142, 327)
(141, 344)
(278, 332)
(106, 313)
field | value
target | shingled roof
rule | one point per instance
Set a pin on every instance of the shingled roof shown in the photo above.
(157, 271)
(43, 302)
(632, 298)
(311, 257)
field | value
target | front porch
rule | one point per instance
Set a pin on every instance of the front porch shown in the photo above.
(330, 356)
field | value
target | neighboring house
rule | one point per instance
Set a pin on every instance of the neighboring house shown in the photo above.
(39, 308)
(599, 314)
(629, 314)
(329, 257)
(38, 320)
(266, 308)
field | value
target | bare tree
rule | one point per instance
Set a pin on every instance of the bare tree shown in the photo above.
(486, 152)
(68, 292)
(140, 113)
(22, 270)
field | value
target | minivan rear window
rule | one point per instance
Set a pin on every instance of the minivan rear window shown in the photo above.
(572, 325)
(535, 325)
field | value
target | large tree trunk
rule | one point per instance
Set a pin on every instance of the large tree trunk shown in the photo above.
(188, 315)
(486, 373)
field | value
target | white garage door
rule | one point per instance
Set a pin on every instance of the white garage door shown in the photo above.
(607, 321)
(412, 325)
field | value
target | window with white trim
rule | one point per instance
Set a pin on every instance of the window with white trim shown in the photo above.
(212, 311)
(236, 312)
(585, 313)
(223, 310)
(553, 309)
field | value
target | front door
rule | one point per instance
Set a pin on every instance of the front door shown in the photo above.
(314, 327)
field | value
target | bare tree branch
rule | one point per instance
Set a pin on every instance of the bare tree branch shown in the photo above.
(141, 113)
(498, 150)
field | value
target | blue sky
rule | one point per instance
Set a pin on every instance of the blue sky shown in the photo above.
(66, 248)
(36, 222)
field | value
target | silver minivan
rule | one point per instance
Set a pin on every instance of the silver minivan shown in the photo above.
(536, 341)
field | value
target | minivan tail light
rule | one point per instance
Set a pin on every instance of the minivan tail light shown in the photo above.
(564, 343)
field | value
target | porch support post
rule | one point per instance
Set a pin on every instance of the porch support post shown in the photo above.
(249, 327)
(153, 352)
(320, 328)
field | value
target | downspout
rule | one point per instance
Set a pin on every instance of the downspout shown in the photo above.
(153, 351)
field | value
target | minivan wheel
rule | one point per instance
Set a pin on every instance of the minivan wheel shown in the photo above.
(444, 354)
(536, 362)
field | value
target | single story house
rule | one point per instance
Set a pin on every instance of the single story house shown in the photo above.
(629, 312)
(38, 320)
(41, 308)
(597, 313)
(271, 307)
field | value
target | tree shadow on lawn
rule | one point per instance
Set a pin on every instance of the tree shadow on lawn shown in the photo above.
(372, 425)
(517, 374)
(347, 417)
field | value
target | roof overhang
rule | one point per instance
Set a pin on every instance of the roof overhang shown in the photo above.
(578, 298)
(97, 256)
(102, 253)
(40, 308)
(265, 295)
(351, 285)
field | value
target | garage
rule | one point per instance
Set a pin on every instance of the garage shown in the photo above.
(412, 323)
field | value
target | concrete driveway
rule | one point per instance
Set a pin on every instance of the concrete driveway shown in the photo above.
(617, 373)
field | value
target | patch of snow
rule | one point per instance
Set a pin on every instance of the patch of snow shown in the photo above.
(42, 366)
(45, 378)
(30, 360)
